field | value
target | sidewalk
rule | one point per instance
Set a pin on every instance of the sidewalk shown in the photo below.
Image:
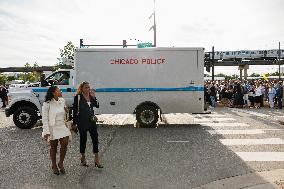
(258, 180)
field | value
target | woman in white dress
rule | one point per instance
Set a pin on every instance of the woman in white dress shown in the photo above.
(54, 128)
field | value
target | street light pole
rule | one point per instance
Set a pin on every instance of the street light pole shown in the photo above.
(154, 27)
(279, 57)
(213, 64)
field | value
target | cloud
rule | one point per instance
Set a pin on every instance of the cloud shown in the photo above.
(34, 30)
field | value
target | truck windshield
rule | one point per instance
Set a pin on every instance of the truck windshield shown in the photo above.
(59, 78)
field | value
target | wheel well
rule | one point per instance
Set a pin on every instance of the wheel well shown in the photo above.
(148, 103)
(21, 104)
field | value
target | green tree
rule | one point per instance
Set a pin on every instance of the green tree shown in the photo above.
(3, 79)
(235, 76)
(274, 74)
(220, 75)
(30, 76)
(66, 54)
(35, 65)
(36, 75)
(26, 75)
(254, 75)
(27, 65)
(11, 78)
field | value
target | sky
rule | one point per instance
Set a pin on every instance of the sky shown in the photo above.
(34, 30)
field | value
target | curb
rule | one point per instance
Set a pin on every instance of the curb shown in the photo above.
(256, 180)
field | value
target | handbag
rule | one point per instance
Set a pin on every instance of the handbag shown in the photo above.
(94, 118)
(68, 124)
(50, 130)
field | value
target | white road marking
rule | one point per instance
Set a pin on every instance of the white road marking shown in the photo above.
(220, 119)
(261, 156)
(210, 115)
(234, 124)
(238, 132)
(232, 142)
(177, 141)
(252, 113)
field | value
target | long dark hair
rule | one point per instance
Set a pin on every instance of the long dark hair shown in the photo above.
(50, 93)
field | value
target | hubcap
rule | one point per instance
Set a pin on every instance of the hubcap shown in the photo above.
(24, 117)
(147, 116)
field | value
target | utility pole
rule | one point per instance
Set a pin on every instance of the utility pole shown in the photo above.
(279, 57)
(213, 53)
(154, 27)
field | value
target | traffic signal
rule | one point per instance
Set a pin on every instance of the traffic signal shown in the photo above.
(208, 67)
(81, 43)
(124, 44)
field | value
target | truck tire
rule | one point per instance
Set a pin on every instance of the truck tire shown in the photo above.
(147, 116)
(25, 117)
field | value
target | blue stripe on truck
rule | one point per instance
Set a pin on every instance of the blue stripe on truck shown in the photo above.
(41, 90)
(133, 89)
(149, 89)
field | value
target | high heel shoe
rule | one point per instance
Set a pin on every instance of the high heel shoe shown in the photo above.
(84, 163)
(100, 166)
(55, 171)
(62, 170)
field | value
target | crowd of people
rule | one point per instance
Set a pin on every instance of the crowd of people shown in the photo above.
(241, 94)
(4, 95)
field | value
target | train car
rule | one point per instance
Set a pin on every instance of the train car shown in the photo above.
(241, 55)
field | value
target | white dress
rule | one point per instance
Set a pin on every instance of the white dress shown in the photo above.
(56, 127)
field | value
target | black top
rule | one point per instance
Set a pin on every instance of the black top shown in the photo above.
(3, 92)
(85, 111)
(213, 91)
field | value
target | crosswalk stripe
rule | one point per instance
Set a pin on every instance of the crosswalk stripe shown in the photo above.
(231, 128)
(252, 113)
(211, 115)
(225, 124)
(239, 131)
(261, 156)
(214, 119)
(177, 141)
(232, 142)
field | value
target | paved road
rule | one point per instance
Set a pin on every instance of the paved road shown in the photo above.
(226, 143)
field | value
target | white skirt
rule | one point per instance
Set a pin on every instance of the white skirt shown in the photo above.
(59, 130)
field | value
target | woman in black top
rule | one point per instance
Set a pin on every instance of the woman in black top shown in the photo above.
(238, 96)
(83, 111)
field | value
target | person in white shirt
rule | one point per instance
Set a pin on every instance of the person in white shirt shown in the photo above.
(54, 128)
(271, 95)
(258, 93)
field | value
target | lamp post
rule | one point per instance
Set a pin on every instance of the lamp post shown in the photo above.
(154, 25)
(279, 58)
(213, 63)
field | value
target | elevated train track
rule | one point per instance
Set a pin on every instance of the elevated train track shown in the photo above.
(31, 69)
(242, 63)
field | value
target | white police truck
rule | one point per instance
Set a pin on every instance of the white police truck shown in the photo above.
(145, 82)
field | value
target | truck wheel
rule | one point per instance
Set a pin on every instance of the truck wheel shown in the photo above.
(147, 116)
(25, 117)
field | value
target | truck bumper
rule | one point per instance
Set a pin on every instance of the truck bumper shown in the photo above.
(7, 112)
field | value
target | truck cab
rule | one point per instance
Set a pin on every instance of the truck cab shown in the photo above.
(26, 105)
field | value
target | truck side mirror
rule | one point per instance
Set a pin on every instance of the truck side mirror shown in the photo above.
(44, 83)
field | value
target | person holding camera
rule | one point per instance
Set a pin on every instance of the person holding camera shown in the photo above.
(84, 120)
